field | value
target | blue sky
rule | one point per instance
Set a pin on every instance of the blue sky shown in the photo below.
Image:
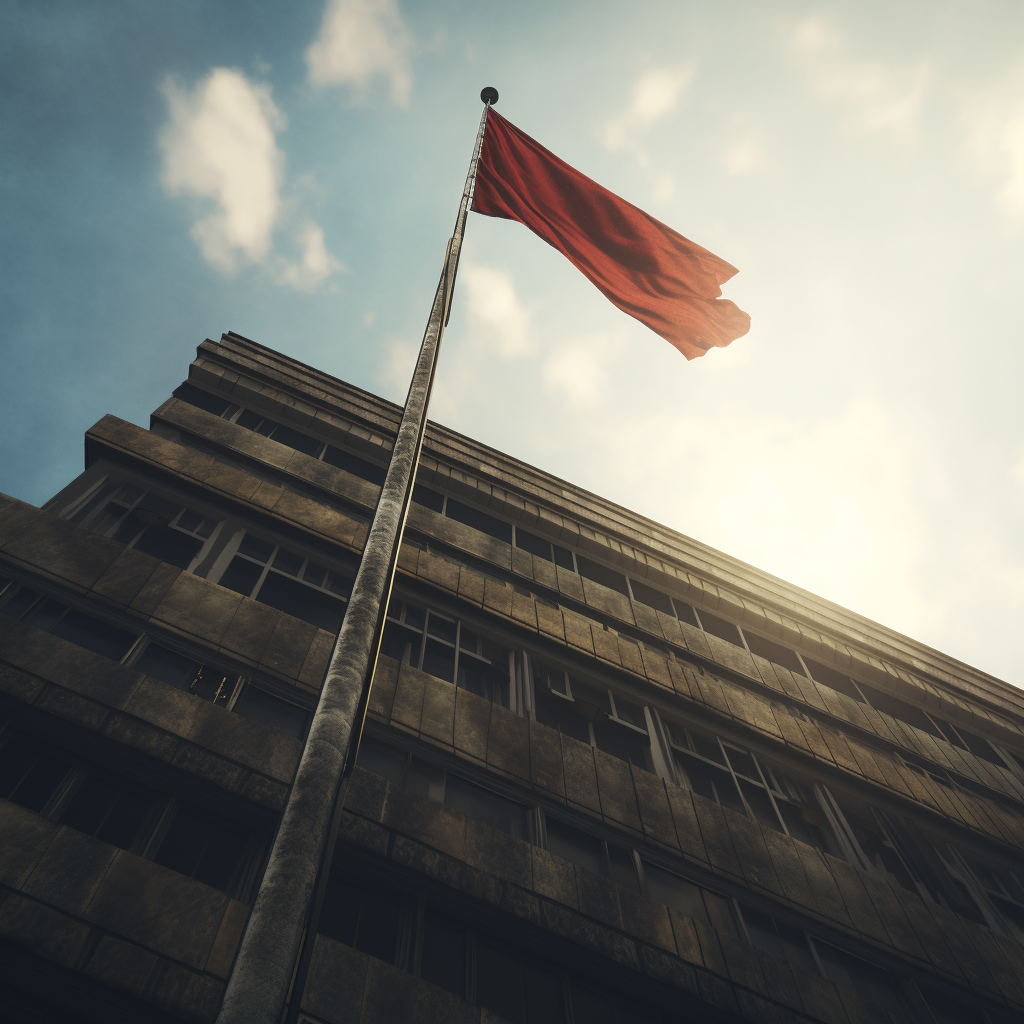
(291, 172)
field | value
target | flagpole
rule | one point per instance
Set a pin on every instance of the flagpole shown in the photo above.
(285, 913)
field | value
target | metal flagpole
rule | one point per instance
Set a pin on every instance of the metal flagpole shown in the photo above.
(285, 913)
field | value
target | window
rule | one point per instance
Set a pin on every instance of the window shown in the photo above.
(593, 854)
(147, 522)
(287, 581)
(281, 433)
(225, 689)
(592, 714)
(998, 891)
(406, 771)
(203, 846)
(601, 574)
(514, 983)
(28, 605)
(128, 814)
(749, 784)
(874, 984)
(449, 649)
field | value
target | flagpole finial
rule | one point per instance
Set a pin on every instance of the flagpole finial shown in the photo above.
(489, 95)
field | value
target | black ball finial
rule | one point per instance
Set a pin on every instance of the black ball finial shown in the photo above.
(489, 95)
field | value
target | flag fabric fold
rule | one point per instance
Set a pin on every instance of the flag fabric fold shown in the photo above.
(665, 281)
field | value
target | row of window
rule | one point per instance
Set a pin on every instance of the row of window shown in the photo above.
(302, 587)
(129, 814)
(480, 967)
(281, 433)
(854, 831)
(603, 717)
(143, 654)
(443, 957)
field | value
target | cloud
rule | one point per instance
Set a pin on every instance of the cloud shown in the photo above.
(316, 264)
(359, 40)
(220, 147)
(876, 97)
(497, 319)
(219, 144)
(655, 95)
(576, 373)
(994, 124)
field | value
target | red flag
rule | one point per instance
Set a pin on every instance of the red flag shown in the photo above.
(648, 270)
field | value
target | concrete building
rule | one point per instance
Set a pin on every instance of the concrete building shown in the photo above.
(609, 774)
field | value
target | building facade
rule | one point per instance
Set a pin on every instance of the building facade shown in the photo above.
(608, 774)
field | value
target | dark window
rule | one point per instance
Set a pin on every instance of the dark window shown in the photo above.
(771, 651)
(443, 955)
(174, 669)
(873, 983)
(19, 600)
(28, 777)
(296, 439)
(500, 983)
(382, 759)
(603, 575)
(295, 598)
(428, 498)
(202, 399)
(204, 848)
(361, 917)
(563, 558)
(265, 708)
(249, 419)
(778, 939)
(241, 576)
(487, 807)
(356, 466)
(95, 635)
(899, 709)
(109, 809)
(575, 845)
(685, 612)
(479, 521)
(721, 628)
(169, 545)
(535, 545)
(562, 714)
(651, 597)
(252, 546)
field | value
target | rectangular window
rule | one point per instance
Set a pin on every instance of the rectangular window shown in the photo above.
(204, 400)
(721, 628)
(289, 582)
(69, 624)
(590, 853)
(776, 653)
(265, 708)
(448, 649)
(472, 517)
(428, 498)
(207, 848)
(651, 597)
(602, 574)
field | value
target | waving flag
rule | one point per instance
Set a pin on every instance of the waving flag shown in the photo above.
(665, 281)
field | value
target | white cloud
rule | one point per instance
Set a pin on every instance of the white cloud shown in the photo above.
(994, 122)
(220, 147)
(359, 40)
(743, 155)
(316, 264)
(497, 319)
(654, 96)
(876, 97)
(576, 373)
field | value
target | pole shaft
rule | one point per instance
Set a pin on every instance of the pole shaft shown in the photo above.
(258, 986)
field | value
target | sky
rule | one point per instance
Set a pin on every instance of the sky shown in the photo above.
(292, 172)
